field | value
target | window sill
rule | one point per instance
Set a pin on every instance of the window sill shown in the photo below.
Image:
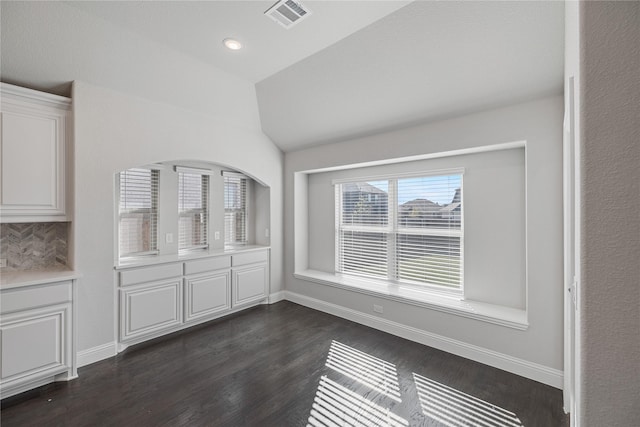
(491, 313)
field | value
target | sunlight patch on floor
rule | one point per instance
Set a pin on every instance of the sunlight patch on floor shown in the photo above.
(370, 371)
(457, 409)
(335, 405)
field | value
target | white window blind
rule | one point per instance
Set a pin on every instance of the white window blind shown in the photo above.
(235, 208)
(193, 209)
(404, 229)
(138, 212)
(363, 224)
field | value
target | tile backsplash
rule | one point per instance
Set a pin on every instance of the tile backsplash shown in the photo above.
(34, 246)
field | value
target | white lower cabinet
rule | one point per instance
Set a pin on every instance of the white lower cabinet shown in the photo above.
(149, 308)
(250, 277)
(36, 337)
(33, 343)
(249, 284)
(207, 295)
(159, 299)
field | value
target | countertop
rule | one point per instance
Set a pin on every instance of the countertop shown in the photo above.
(162, 259)
(17, 279)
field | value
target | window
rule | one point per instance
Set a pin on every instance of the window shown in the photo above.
(235, 208)
(403, 229)
(193, 209)
(138, 212)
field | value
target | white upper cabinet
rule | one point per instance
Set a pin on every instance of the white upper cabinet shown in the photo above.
(35, 128)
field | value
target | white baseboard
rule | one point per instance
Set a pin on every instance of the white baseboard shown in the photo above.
(276, 296)
(524, 368)
(96, 354)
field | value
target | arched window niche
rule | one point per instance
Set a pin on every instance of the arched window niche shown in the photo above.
(185, 208)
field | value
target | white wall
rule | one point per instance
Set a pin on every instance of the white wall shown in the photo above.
(539, 123)
(610, 158)
(494, 220)
(115, 131)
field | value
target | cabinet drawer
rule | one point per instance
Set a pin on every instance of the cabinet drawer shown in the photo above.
(147, 309)
(35, 296)
(249, 258)
(208, 264)
(150, 274)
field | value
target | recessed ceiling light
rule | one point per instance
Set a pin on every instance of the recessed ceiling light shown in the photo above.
(232, 44)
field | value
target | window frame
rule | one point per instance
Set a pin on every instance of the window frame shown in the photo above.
(205, 210)
(153, 211)
(244, 210)
(392, 230)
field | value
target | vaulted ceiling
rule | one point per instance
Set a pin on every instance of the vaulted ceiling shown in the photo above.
(426, 61)
(197, 28)
(355, 67)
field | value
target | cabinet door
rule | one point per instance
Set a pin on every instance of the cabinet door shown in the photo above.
(207, 295)
(32, 182)
(33, 344)
(150, 308)
(249, 284)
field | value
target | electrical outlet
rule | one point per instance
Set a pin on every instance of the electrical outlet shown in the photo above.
(3, 262)
(266, 232)
(168, 238)
(216, 235)
(378, 308)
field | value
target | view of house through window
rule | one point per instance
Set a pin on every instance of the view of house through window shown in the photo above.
(138, 212)
(235, 208)
(406, 230)
(193, 210)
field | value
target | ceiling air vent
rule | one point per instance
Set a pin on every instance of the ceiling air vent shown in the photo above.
(287, 13)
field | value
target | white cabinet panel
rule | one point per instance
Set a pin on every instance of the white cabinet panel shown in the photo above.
(34, 343)
(150, 274)
(36, 296)
(208, 264)
(207, 295)
(33, 131)
(249, 284)
(29, 147)
(250, 258)
(149, 308)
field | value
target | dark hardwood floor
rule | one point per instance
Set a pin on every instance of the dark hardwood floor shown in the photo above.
(287, 365)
